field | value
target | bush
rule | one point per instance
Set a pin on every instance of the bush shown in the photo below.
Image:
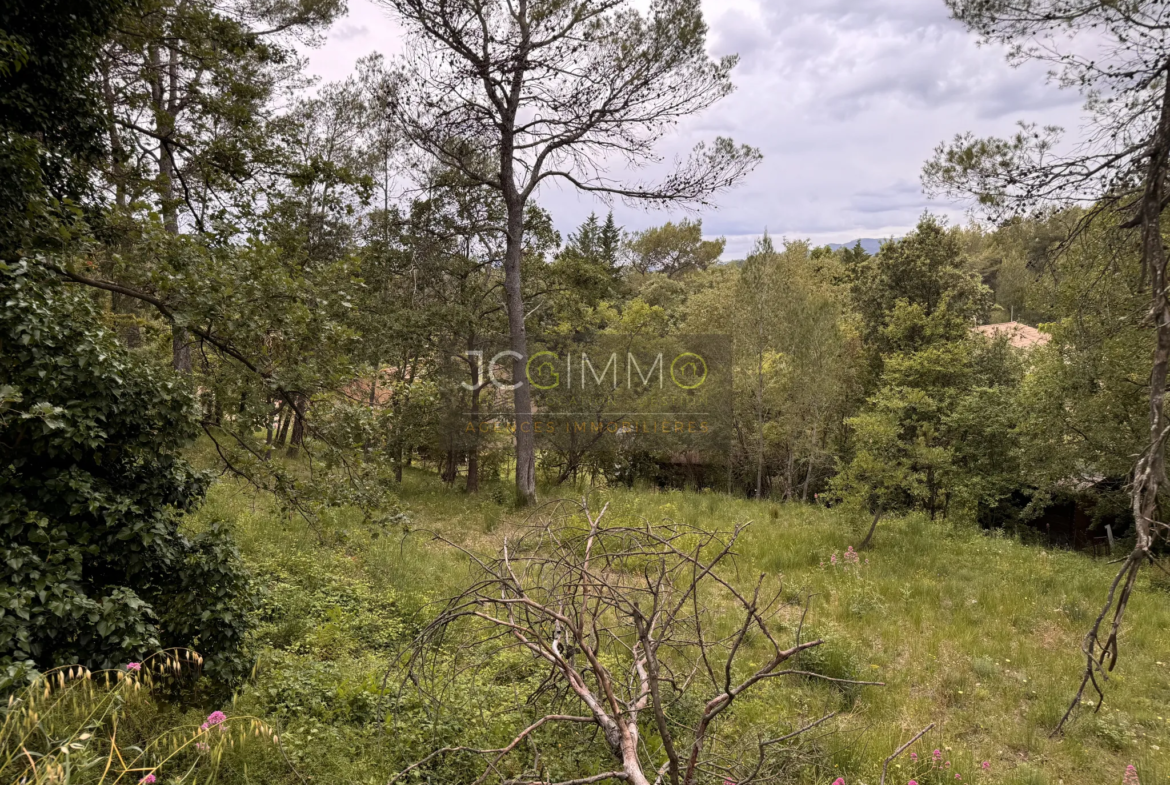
(93, 567)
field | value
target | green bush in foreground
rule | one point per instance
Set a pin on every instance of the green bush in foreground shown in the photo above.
(93, 568)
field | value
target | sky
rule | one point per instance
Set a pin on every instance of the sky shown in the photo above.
(846, 99)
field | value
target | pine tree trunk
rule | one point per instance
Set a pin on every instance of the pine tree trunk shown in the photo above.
(473, 448)
(522, 394)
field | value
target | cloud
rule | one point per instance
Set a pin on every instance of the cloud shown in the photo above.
(348, 32)
(845, 98)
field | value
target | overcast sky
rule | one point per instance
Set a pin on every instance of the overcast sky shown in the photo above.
(845, 98)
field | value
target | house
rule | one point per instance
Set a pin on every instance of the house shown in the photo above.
(1019, 334)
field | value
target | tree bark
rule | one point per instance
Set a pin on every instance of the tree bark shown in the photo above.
(298, 431)
(877, 516)
(518, 335)
(473, 448)
(284, 418)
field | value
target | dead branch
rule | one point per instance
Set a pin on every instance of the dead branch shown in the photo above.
(900, 750)
(624, 619)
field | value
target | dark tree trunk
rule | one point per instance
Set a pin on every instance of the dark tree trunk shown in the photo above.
(181, 350)
(877, 516)
(297, 440)
(270, 429)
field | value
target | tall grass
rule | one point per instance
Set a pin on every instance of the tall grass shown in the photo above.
(72, 726)
(975, 632)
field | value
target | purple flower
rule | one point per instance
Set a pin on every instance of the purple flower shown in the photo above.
(134, 666)
(147, 780)
(987, 765)
(213, 719)
(914, 756)
(937, 754)
(839, 781)
(912, 782)
(1131, 776)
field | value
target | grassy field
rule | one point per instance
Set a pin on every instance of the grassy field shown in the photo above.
(976, 633)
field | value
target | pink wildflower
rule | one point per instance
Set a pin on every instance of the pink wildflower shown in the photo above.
(147, 780)
(958, 777)
(202, 746)
(213, 719)
(1131, 776)
(728, 782)
(833, 558)
(134, 666)
(937, 754)
(839, 781)
(987, 765)
(912, 782)
(914, 756)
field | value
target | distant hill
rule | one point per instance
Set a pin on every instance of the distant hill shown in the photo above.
(868, 244)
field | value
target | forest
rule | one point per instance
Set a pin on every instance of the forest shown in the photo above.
(303, 479)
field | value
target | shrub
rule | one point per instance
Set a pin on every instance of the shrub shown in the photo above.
(93, 567)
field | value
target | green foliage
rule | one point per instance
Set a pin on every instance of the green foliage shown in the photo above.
(673, 249)
(93, 487)
(939, 426)
(50, 121)
(926, 269)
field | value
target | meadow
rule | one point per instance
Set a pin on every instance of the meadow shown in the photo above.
(975, 632)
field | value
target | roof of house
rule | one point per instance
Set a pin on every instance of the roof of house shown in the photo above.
(1020, 335)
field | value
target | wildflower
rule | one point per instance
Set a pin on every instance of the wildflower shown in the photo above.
(937, 755)
(958, 777)
(833, 558)
(202, 746)
(134, 666)
(912, 782)
(1131, 776)
(147, 780)
(914, 757)
(839, 781)
(987, 765)
(851, 556)
(213, 719)
(728, 782)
